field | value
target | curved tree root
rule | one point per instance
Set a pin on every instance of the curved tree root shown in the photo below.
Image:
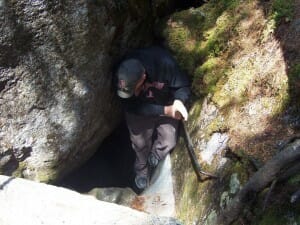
(261, 179)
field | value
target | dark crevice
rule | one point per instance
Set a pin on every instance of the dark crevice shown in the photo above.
(169, 7)
(3, 84)
(182, 5)
(110, 166)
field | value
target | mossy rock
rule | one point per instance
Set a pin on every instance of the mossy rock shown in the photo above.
(211, 43)
(282, 10)
(207, 75)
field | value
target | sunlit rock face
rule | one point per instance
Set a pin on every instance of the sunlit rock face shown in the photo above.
(244, 69)
(56, 99)
(47, 204)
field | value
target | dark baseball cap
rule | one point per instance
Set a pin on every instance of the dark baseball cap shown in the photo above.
(128, 74)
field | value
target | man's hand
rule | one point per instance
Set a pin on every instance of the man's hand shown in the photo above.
(179, 107)
(177, 110)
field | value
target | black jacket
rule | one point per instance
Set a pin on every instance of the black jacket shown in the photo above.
(164, 82)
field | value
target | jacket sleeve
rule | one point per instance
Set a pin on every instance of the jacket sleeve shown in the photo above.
(136, 106)
(182, 93)
(178, 80)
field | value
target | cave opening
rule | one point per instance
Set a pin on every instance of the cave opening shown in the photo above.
(110, 166)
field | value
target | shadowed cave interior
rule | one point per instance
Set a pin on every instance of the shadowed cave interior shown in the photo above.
(110, 166)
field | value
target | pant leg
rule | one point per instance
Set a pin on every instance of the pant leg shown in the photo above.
(167, 131)
(141, 130)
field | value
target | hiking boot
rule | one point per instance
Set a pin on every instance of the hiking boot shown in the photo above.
(141, 182)
(152, 160)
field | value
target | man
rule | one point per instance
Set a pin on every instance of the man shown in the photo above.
(153, 91)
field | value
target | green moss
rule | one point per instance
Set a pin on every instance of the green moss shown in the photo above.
(231, 89)
(279, 215)
(198, 35)
(215, 8)
(215, 38)
(282, 10)
(46, 176)
(19, 171)
(207, 75)
(273, 219)
(195, 110)
(208, 66)
(230, 4)
(191, 18)
(193, 202)
(179, 160)
(294, 81)
(295, 72)
(217, 125)
(187, 60)
(178, 36)
(294, 179)
(240, 168)
(204, 41)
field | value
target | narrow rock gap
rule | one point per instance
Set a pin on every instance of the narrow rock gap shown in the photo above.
(109, 176)
(110, 166)
(175, 6)
(182, 5)
(3, 84)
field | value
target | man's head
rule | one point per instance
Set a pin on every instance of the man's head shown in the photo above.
(129, 73)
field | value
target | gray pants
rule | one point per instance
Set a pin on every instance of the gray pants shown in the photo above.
(156, 134)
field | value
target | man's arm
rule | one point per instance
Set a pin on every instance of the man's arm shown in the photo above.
(182, 94)
(177, 110)
(135, 106)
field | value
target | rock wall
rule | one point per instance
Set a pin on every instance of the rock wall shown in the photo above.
(56, 97)
(242, 63)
